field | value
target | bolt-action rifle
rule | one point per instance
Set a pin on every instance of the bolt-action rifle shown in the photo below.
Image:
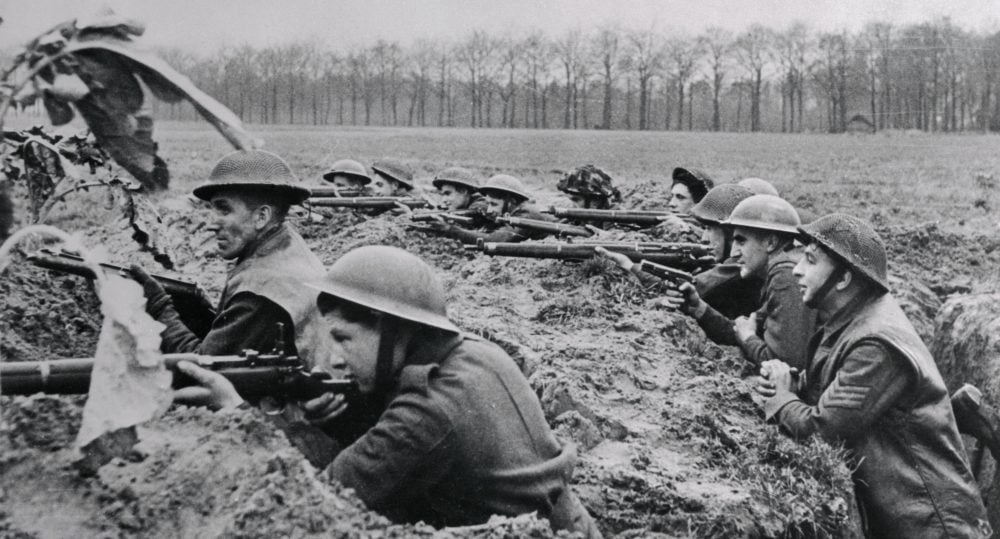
(370, 202)
(459, 217)
(189, 299)
(687, 256)
(253, 375)
(333, 192)
(641, 218)
(548, 227)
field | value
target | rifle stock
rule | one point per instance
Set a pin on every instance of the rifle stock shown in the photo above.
(680, 255)
(461, 217)
(370, 202)
(189, 299)
(253, 375)
(633, 217)
(548, 227)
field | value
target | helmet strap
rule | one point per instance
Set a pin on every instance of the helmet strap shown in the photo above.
(727, 242)
(825, 288)
(388, 331)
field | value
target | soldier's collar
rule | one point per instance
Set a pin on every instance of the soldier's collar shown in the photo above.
(433, 349)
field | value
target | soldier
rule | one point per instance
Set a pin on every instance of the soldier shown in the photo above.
(348, 175)
(763, 231)
(873, 386)
(263, 303)
(459, 190)
(688, 188)
(721, 287)
(590, 187)
(462, 435)
(392, 179)
(505, 195)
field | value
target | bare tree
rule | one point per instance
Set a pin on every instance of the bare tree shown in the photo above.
(790, 49)
(752, 50)
(606, 50)
(718, 43)
(511, 60)
(474, 53)
(683, 54)
(536, 54)
(570, 52)
(647, 59)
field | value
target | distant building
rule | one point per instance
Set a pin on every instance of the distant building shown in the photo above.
(860, 124)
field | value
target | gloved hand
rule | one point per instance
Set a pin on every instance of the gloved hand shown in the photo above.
(151, 288)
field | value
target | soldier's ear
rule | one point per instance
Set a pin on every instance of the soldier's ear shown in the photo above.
(846, 278)
(262, 216)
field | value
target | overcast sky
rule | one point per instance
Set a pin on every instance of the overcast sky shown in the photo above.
(205, 25)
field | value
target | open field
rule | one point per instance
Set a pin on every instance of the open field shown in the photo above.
(669, 437)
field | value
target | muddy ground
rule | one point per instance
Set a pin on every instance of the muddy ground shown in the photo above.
(670, 439)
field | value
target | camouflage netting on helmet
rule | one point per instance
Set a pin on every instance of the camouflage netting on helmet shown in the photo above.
(590, 181)
(852, 241)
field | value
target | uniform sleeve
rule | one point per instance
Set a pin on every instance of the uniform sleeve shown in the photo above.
(787, 324)
(871, 380)
(717, 327)
(404, 453)
(246, 321)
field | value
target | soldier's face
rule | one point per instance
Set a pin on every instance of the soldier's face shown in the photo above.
(382, 186)
(680, 198)
(495, 206)
(579, 201)
(716, 237)
(812, 271)
(236, 225)
(356, 345)
(454, 197)
(341, 181)
(750, 248)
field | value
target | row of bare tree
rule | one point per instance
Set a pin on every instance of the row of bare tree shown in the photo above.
(933, 76)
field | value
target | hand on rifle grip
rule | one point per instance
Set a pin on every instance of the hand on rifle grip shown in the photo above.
(684, 298)
(151, 288)
(325, 408)
(402, 209)
(213, 391)
(619, 259)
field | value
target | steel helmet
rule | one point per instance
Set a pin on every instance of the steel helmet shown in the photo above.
(348, 167)
(759, 186)
(388, 280)
(256, 170)
(719, 203)
(853, 242)
(695, 180)
(394, 170)
(589, 181)
(765, 212)
(458, 176)
(504, 184)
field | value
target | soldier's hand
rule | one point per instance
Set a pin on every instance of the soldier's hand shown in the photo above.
(674, 222)
(745, 327)
(619, 259)
(776, 376)
(438, 223)
(324, 408)
(685, 299)
(213, 391)
(151, 288)
(402, 209)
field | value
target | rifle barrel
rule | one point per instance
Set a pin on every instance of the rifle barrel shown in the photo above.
(333, 192)
(549, 227)
(635, 217)
(370, 202)
(72, 264)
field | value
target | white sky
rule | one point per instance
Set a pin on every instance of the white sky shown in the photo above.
(205, 25)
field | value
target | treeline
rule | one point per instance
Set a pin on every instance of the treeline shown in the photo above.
(933, 76)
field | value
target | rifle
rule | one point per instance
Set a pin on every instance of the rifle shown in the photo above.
(689, 256)
(254, 375)
(461, 217)
(558, 229)
(371, 202)
(189, 299)
(333, 192)
(666, 273)
(634, 217)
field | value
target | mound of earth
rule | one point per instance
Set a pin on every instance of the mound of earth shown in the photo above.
(194, 474)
